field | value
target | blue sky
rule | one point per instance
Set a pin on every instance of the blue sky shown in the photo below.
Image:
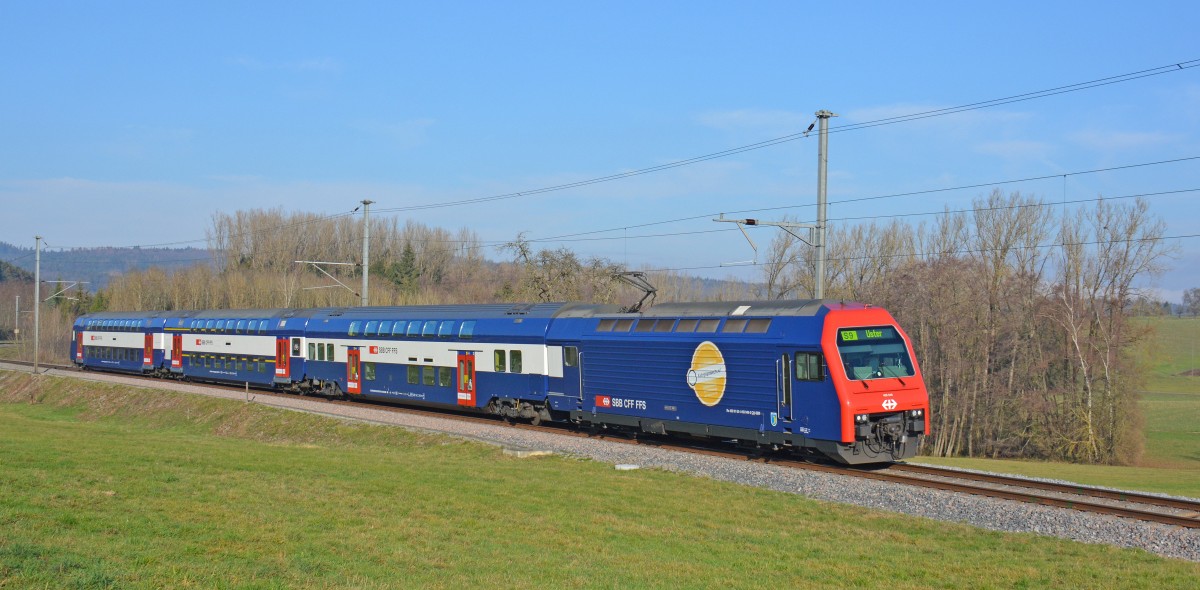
(125, 123)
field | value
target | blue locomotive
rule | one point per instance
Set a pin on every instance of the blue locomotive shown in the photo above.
(824, 378)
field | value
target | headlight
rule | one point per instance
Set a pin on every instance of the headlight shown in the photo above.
(916, 413)
(860, 418)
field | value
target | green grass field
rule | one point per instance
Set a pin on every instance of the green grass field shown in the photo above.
(109, 488)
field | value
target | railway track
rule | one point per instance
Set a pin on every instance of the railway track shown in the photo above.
(1125, 504)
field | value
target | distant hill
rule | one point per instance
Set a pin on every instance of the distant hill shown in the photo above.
(8, 272)
(97, 266)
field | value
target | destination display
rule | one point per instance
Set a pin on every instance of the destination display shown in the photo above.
(867, 334)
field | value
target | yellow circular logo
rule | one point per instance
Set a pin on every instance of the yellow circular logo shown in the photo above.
(707, 375)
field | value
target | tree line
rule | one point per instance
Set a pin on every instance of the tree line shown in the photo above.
(1018, 312)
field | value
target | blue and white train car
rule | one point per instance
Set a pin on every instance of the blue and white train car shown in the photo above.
(829, 378)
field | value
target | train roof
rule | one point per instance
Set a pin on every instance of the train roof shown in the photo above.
(709, 309)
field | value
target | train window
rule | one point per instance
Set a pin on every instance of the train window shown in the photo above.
(734, 326)
(370, 329)
(241, 365)
(385, 328)
(758, 326)
(809, 366)
(329, 351)
(514, 358)
(570, 356)
(644, 326)
(428, 376)
(414, 329)
(209, 325)
(446, 329)
(499, 354)
(606, 325)
(320, 352)
(369, 371)
(623, 326)
(207, 362)
(353, 331)
(414, 374)
(445, 376)
(312, 351)
(707, 325)
(220, 325)
(262, 366)
(241, 327)
(295, 347)
(664, 325)
(467, 331)
(398, 329)
(430, 329)
(262, 327)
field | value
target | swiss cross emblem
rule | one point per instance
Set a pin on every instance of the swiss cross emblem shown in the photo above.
(374, 350)
(603, 401)
(197, 342)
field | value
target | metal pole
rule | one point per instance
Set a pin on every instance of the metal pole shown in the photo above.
(17, 321)
(366, 247)
(37, 299)
(822, 164)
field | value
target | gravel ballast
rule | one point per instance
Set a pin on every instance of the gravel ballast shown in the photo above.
(987, 513)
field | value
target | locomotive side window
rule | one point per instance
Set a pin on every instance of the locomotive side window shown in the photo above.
(623, 326)
(734, 326)
(809, 367)
(687, 325)
(708, 325)
(873, 353)
(606, 325)
(758, 326)
(664, 325)
(644, 326)
(570, 356)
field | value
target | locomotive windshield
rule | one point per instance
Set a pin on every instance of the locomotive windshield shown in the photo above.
(873, 353)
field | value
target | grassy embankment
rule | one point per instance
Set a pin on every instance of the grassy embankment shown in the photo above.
(102, 487)
(1170, 406)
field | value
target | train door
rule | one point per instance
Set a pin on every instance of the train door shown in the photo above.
(148, 351)
(177, 352)
(466, 379)
(79, 346)
(572, 371)
(353, 370)
(281, 359)
(785, 388)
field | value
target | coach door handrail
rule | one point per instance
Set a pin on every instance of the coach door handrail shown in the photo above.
(579, 356)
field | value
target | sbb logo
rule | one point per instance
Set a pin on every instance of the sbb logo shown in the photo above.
(374, 350)
(889, 404)
(603, 401)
